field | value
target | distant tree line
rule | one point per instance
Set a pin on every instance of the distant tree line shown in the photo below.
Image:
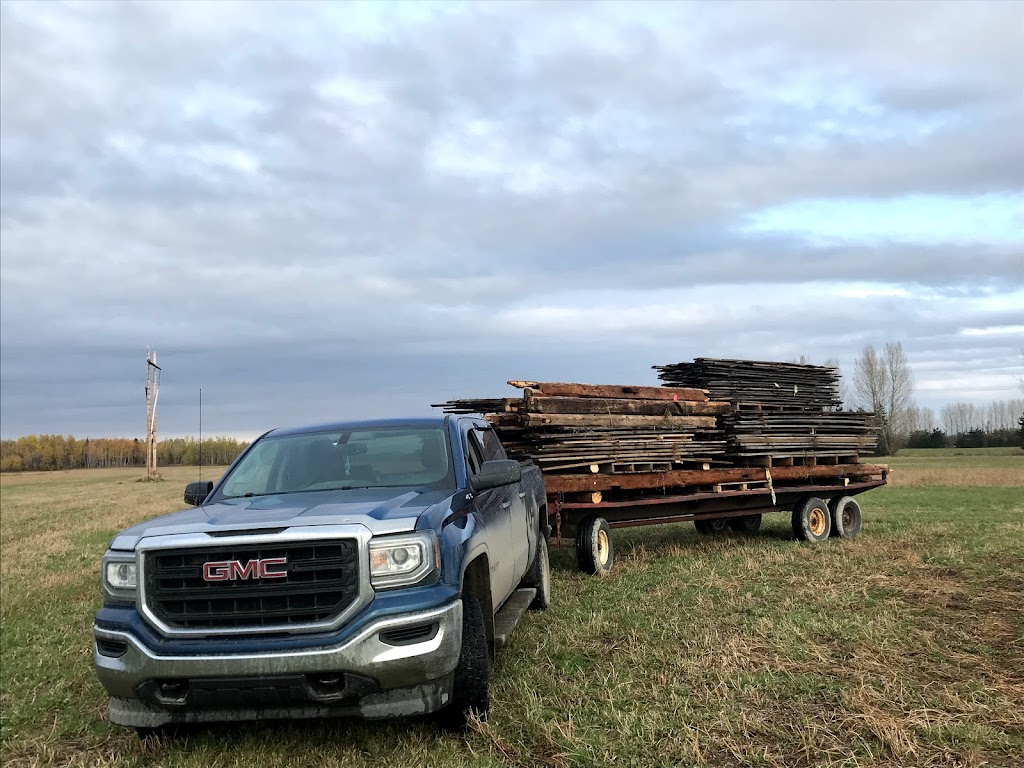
(49, 452)
(968, 425)
(883, 382)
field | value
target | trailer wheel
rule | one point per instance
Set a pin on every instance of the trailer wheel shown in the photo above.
(812, 520)
(594, 552)
(748, 524)
(846, 517)
(711, 527)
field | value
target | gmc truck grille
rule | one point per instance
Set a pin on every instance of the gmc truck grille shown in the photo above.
(322, 581)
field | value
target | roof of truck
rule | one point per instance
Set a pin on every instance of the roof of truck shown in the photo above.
(333, 426)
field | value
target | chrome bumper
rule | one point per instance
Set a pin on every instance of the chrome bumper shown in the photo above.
(392, 666)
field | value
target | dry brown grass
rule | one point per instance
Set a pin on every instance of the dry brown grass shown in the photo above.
(957, 477)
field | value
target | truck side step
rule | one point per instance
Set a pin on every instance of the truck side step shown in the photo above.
(511, 612)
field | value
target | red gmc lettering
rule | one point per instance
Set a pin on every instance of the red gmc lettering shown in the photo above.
(265, 565)
(230, 570)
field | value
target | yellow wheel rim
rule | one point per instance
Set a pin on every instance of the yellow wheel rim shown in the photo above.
(816, 521)
(603, 547)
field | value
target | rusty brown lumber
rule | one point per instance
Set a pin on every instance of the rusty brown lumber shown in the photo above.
(557, 388)
(622, 406)
(612, 420)
(682, 478)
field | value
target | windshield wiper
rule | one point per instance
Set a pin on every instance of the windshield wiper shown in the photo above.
(252, 495)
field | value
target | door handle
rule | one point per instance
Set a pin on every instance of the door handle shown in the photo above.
(506, 504)
(522, 494)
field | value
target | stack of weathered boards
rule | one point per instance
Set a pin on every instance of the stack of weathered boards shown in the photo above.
(715, 425)
(569, 428)
(780, 411)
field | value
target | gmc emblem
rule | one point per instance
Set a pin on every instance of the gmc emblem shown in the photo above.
(229, 570)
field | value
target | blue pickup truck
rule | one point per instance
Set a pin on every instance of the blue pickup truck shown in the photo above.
(368, 568)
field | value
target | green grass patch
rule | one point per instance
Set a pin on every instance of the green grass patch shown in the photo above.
(903, 647)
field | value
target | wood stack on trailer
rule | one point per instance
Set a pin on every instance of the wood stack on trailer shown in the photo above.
(721, 443)
(605, 428)
(782, 413)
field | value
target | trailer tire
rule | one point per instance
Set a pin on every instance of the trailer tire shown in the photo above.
(471, 687)
(594, 553)
(846, 517)
(539, 576)
(711, 527)
(812, 520)
(748, 524)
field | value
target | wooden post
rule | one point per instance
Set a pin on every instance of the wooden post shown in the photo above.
(152, 392)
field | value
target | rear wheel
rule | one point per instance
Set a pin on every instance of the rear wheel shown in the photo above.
(539, 575)
(846, 517)
(471, 687)
(748, 524)
(594, 552)
(812, 520)
(711, 527)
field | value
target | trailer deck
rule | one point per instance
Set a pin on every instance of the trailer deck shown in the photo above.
(707, 496)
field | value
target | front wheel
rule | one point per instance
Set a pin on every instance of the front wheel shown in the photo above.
(471, 694)
(594, 552)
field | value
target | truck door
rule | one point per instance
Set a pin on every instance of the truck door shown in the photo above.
(524, 525)
(495, 506)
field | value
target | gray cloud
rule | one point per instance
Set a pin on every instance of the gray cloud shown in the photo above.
(352, 210)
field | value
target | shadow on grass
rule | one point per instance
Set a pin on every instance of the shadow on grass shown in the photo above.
(352, 732)
(653, 538)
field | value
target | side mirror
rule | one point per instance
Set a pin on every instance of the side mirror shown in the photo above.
(494, 474)
(196, 493)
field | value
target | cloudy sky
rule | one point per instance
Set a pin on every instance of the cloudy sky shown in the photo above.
(321, 211)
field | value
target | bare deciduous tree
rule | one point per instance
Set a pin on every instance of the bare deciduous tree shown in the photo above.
(885, 384)
(920, 420)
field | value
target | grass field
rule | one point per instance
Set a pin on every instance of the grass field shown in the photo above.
(902, 648)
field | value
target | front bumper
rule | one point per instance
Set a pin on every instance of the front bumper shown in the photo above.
(393, 679)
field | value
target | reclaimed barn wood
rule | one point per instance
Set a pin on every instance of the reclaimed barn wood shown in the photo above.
(757, 381)
(606, 405)
(553, 388)
(614, 420)
(566, 427)
(688, 478)
(724, 415)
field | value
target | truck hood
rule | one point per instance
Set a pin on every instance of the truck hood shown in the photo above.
(381, 510)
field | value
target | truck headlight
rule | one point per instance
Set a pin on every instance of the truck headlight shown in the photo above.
(398, 561)
(120, 577)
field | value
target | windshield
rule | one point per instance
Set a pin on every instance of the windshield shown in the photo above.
(359, 458)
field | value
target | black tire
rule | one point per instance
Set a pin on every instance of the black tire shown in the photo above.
(711, 527)
(748, 524)
(539, 575)
(471, 688)
(846, 517)
(594, 552)
(812, 520)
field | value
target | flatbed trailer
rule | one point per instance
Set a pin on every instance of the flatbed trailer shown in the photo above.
(820, 500)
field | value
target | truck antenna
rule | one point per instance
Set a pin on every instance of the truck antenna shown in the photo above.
(200, 433)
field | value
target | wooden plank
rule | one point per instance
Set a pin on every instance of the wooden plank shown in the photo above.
(684, 477)
(613, 420)
(605, 405)
(557, 388)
